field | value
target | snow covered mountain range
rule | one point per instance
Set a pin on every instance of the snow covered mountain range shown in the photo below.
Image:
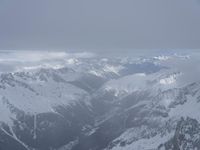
(62, 101)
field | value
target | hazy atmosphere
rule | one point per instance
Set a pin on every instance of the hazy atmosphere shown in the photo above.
(99, 75)
(99, 25)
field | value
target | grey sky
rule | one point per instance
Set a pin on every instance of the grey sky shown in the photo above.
(99, 24)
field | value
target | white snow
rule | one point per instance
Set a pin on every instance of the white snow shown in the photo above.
(134, 136)
(72, 61)
(189, 109)
(145, 144)
(168, 80)
(127, 84)
(35, 127)
(38, 96)
(35, 96)
(113, 69)
(156, 82)
(43, 66)
(163, 58)
(105, 70)
(96, 73)
(6, 115)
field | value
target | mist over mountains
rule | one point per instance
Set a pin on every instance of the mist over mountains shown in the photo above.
(84, 101)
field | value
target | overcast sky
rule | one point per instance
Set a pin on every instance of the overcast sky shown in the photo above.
(99, 24)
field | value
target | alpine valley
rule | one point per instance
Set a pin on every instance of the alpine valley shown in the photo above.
(82, 101)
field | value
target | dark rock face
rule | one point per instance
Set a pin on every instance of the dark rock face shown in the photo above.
(186, 137)
(51, 130)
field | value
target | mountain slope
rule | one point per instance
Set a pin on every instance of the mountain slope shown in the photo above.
(100, 104)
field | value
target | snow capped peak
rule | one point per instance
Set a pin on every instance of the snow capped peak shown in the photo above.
(113, 69)
(96, 73)
(72, 61)
(182, 56)
(17, 61)
(44, 66)
(27, 92)
(169, 79)
(142, 95)
(106, 68)
(162, 57)
(127, 84)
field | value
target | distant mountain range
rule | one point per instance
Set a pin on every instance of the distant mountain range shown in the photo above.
(99, 103)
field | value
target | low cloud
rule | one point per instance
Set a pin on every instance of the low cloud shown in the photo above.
(11, 61)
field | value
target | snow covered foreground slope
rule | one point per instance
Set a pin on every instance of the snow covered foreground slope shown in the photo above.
(93, 103)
